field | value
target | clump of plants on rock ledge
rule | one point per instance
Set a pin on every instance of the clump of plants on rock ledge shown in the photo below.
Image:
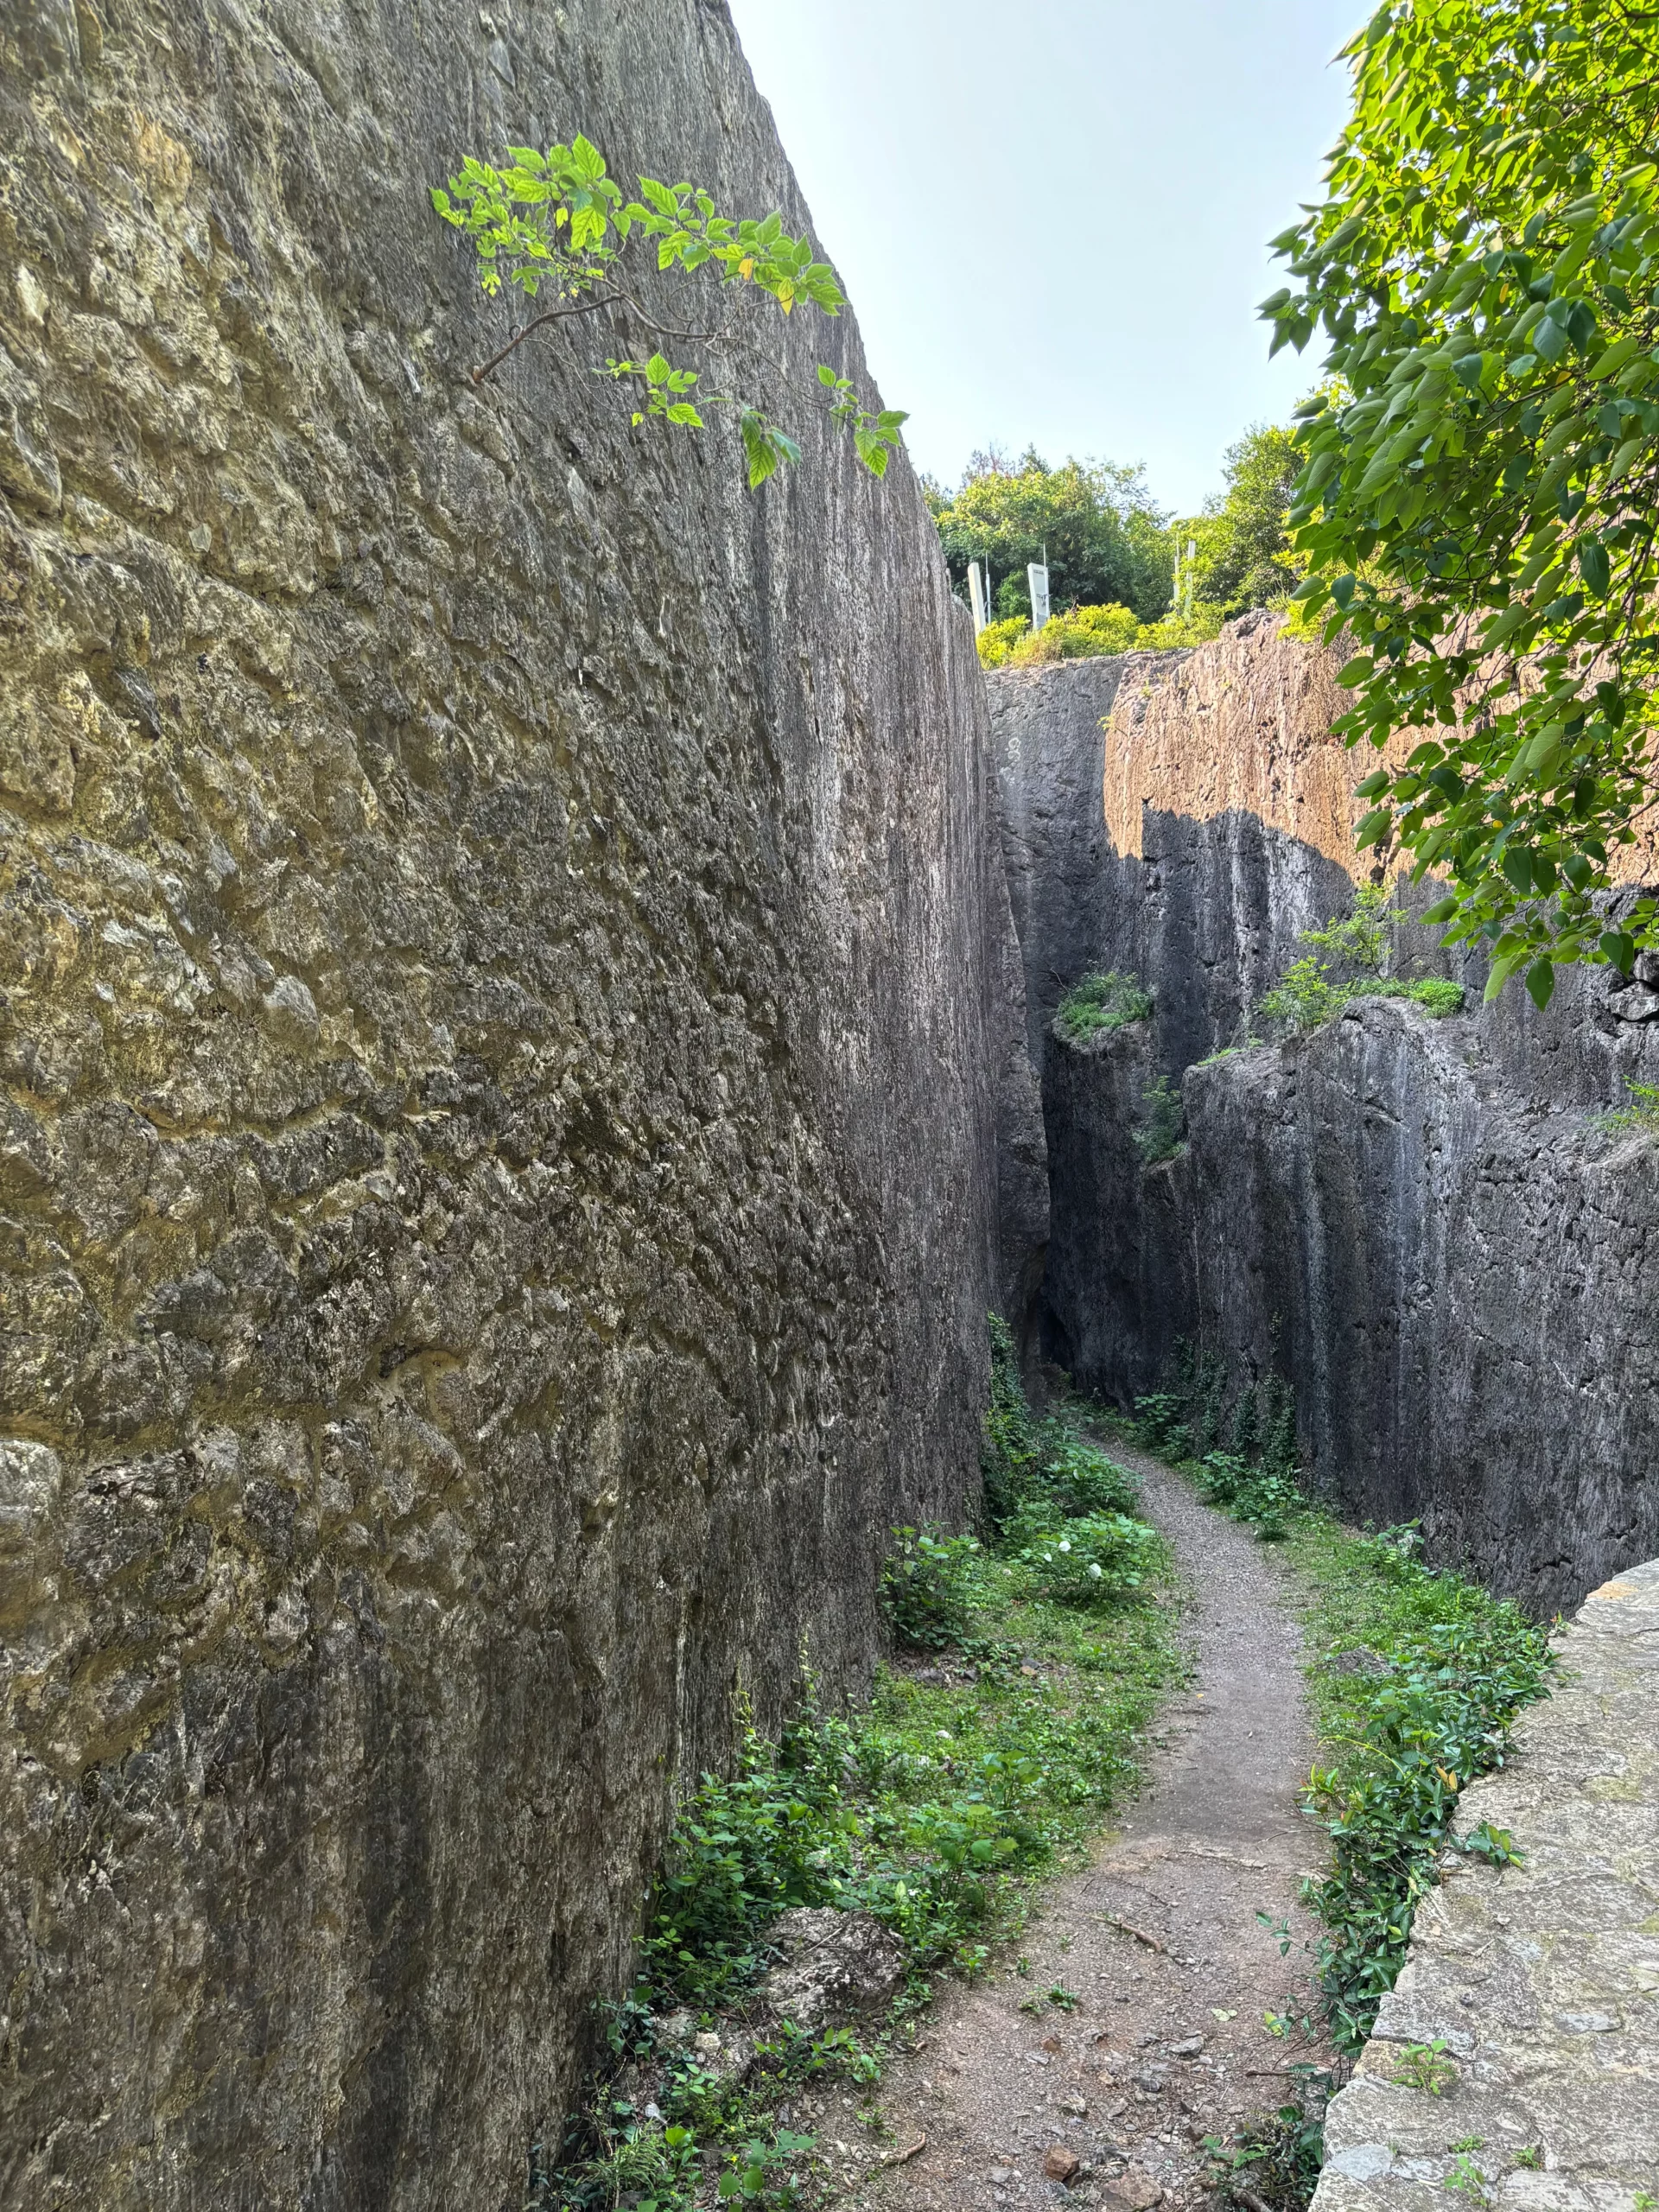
(1100, 1003)
(999, 1737)
(1349, 962)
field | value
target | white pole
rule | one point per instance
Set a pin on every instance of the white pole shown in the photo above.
(979, 594)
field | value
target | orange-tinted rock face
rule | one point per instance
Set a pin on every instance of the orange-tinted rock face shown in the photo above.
(1243, 725)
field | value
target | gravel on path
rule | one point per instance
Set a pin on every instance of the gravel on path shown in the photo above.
(1168, 2042)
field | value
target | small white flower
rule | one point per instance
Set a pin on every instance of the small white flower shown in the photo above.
(1048, 1559)
(1064, 1545)
(1094, 1570)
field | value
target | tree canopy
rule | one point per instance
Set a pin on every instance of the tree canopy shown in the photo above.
(1478, 505)
(1243, 556)
(1107, 542)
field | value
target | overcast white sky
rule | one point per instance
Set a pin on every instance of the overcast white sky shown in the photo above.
(1053, 217)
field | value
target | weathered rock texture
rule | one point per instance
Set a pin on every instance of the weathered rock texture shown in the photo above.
(1542, 1980)
(503, 962)
(1414, 1222)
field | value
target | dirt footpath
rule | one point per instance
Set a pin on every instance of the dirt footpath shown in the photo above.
(1167, 2041)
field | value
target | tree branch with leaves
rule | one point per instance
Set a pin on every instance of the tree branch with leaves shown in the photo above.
(557, 224)
(1476, 502)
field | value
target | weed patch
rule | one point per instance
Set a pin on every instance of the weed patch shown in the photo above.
(1416, 1677)
(1274, 2160)
(1419, 1673)
(1157, 1135)
(932, 1811)
(1101, 1002)
(1639, 1119)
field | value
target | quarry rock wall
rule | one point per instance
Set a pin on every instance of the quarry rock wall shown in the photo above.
(1415, 1222)
(482, 898)
(1537, 1981)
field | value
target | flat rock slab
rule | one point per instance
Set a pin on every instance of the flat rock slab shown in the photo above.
(1540, 1979)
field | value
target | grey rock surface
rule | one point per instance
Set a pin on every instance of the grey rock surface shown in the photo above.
(505, 971)
(1415, 1222)
(1541, 1979)
(834, 1967)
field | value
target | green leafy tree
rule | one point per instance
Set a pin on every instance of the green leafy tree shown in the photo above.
(1245, 558)
(557, 224)
(1480, 517)
(1106, 541)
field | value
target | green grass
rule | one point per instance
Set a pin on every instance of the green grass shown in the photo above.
(1639, 1118)
(1400, 1736)
(938, 1808)
(1102, 1002)
(1437, 1669)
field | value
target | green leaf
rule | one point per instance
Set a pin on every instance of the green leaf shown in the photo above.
(1504, 625)
(1621, 351)
(1619, 947)
(828, 377)
(1540, 983)
(1441, 911)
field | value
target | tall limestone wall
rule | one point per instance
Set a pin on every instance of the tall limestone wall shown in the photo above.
(1414, 1222)
(482, 897)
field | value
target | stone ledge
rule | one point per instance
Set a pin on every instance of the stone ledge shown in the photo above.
(1540, 1979)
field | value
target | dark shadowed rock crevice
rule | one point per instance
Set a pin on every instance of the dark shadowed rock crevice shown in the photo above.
(1415, 1222)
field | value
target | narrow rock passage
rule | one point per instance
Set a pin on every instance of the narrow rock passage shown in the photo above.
(1164, 2045)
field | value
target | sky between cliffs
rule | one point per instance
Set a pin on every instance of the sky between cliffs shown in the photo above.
(1101, 177)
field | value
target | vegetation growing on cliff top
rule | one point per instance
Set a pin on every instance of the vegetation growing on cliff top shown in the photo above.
(931, 1810)
(1105, 539)
(557, 222)
(1113, 555)
(1355, 947)
(1477, 506)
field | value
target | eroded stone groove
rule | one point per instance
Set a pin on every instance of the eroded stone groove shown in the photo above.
(483, 897)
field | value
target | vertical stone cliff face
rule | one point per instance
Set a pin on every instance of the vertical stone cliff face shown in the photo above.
(506, 986)
(1413, 1222)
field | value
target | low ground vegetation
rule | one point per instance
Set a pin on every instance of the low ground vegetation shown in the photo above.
(1416, 1675)
(1028, 1660)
